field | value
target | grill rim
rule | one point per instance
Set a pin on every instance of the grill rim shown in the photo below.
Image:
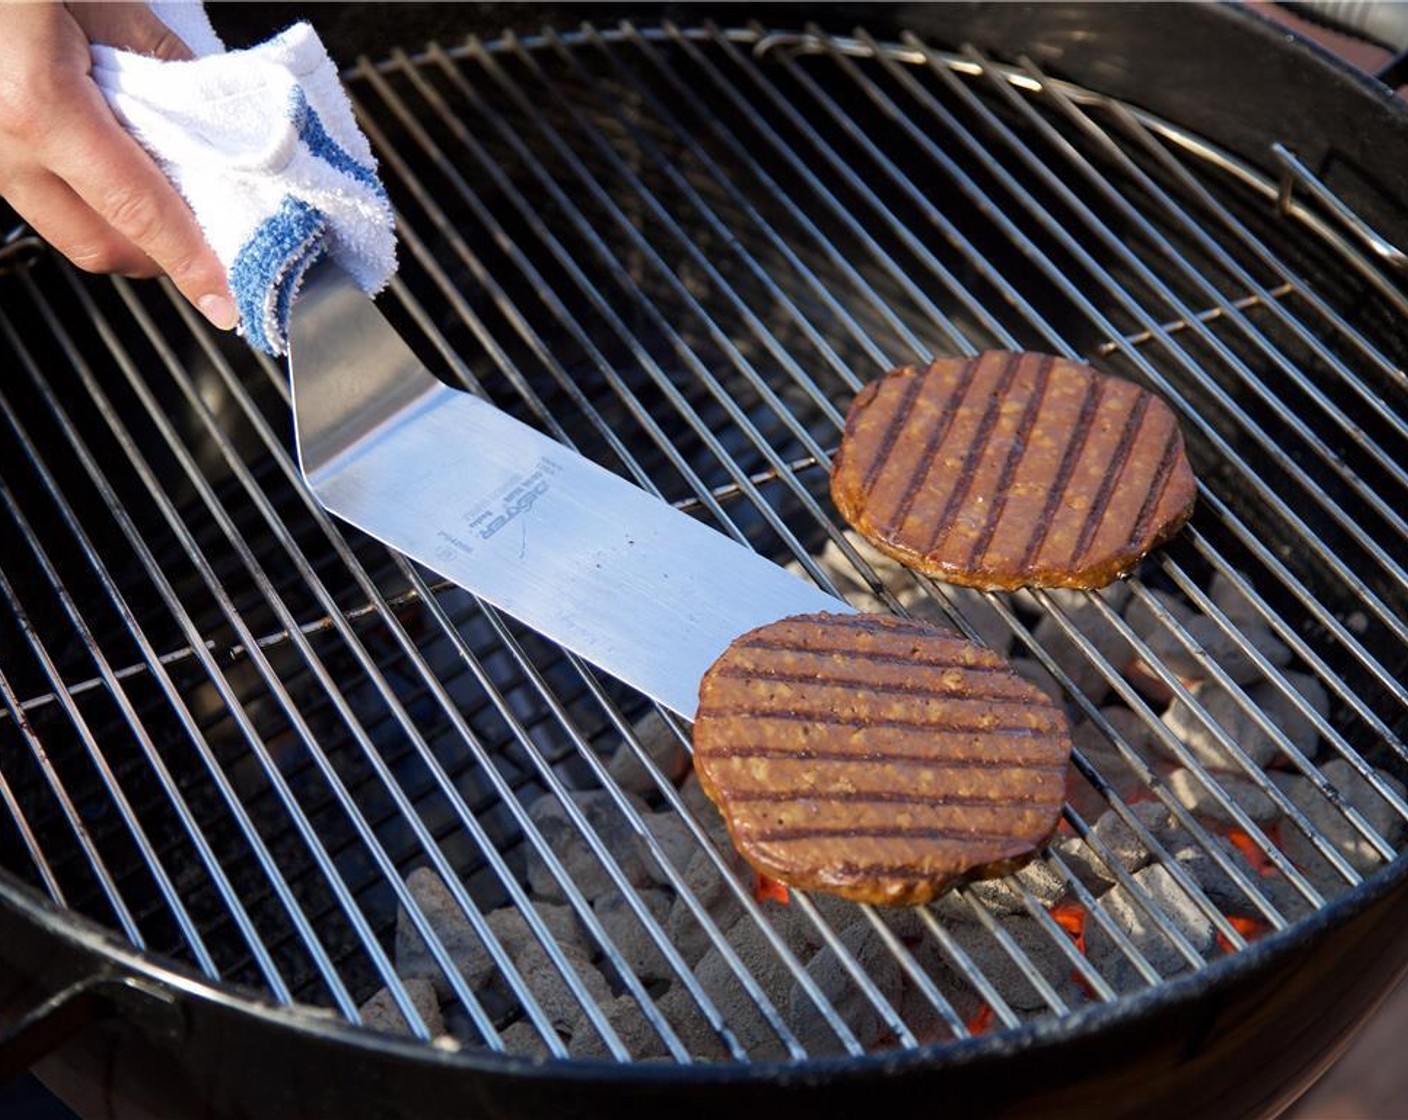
(1262, 959)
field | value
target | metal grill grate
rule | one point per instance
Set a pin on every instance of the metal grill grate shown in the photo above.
(233, 730)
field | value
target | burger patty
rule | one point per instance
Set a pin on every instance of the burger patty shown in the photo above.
(1012, 470)
(877, 758)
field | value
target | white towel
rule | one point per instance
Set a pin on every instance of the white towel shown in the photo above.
(263, 145)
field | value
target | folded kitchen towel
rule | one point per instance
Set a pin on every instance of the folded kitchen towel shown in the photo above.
(263, 145)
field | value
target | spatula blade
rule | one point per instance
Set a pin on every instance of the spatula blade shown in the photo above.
(589, 560)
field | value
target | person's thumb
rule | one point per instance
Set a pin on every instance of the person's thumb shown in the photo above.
(129, 27)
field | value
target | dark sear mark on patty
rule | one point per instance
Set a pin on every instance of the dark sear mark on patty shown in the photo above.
(877, 758)
(1012, 470)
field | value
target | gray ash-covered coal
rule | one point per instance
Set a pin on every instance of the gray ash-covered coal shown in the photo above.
(1213, 795)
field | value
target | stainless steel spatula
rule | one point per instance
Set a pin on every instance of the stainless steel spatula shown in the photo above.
(593, 562)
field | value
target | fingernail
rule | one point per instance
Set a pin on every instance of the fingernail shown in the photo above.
(220, 310)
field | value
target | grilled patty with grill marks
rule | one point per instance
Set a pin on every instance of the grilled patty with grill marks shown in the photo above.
(877, 758)
(1012, 470)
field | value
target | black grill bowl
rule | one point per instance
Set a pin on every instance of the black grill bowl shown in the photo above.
(121, 1033)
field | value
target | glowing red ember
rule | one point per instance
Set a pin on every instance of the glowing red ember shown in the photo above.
(1249, 928)
(1255, 854)
(1070, 916)
(980, 1020)
(765, 888)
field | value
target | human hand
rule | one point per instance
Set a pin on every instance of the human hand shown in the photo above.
(70, 169)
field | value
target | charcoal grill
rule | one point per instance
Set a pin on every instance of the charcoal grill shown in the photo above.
(235, 733)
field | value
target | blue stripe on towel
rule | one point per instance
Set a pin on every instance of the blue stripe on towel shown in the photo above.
(292, 281)
(268, 268)
(311, 132)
